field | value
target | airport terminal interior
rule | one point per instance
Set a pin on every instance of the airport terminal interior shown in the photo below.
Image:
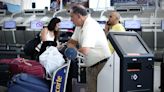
(22, 20)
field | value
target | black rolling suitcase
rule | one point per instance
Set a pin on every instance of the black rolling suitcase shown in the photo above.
(5, 74)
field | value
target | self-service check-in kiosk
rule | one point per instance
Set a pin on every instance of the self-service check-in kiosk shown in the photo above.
(130, 68)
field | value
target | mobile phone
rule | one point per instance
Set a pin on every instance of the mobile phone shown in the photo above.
(108, 23)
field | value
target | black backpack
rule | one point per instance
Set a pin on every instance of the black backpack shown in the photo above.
(29, 48)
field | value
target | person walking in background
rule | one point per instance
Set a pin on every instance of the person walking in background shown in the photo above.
(55, 5)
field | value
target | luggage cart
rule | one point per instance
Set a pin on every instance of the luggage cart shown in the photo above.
(59, 80)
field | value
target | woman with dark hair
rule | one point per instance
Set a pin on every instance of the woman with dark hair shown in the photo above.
(50, 32)
(49, 35)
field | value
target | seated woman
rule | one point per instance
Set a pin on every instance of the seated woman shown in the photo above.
(49, 35)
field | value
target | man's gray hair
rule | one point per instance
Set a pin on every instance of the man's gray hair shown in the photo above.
(79, 9)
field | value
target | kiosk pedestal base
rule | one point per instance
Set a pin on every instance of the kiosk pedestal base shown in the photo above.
(108, 78)
(162, 77)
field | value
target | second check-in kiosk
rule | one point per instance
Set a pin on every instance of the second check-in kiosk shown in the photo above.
(130, 67)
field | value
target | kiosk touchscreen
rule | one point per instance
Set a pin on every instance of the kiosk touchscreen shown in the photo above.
(129, 43)
(130, 68)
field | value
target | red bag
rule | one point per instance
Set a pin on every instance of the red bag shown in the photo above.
(21, 65)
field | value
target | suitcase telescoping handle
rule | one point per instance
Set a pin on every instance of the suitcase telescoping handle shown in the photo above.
(22, 60)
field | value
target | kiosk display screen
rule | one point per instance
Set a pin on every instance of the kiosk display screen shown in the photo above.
(162, 24)
(130, 44)
(9, 24)
(132, 24)
(102, 23)
(36, 25)
(66, 24)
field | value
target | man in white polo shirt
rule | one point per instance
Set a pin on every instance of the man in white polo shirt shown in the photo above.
(92, 43)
